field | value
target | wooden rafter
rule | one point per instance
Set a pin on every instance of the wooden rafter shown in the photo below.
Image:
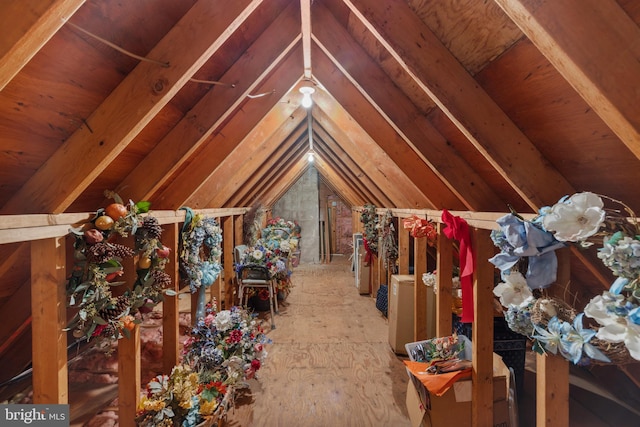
(605, 74)
(342, 161)
(244, 162)
(305, 12)
(364, 150)
(386, 137)
(397, 108)
(455, 91)
(261, 58)
(218, 147)
(27, 25)
(130, 107)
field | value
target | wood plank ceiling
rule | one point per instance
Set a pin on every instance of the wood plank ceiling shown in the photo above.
(458, 104)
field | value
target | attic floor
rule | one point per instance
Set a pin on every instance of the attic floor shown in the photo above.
(330, 364)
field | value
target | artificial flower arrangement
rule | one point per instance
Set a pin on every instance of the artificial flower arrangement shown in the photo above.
(281, 234)
(420, 227)
(437, 349)
(201, 250)
(99, 263)
(275, 260)
(224, 350)
(431, 279)
(228, 343)
(608, 330)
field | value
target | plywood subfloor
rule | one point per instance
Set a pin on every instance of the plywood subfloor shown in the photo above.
(330, 362)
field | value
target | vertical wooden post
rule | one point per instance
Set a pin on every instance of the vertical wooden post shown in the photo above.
(216, 288)
(552, 372)
(129, 382)
(327, 242)
(170, 305)
(419, 290)
(482, 376)
(444, 269)
(552, 391)
(49, 317)
(228, 244)
(403, 249)
(238, 230)
(375, 277)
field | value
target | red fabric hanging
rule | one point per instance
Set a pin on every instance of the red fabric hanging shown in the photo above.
(368, 258)
(458, 229)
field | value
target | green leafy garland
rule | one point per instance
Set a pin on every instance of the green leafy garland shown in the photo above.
(99, 262)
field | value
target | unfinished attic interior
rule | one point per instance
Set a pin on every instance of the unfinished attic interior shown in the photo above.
(467, 130)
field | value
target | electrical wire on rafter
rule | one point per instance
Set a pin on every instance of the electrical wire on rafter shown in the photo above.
(260, 95)
(116, 47)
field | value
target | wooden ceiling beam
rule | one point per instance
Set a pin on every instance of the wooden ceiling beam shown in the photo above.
(345, 191)
(268, 196)
(274, 181)
(186, 183)
(27, 25)
(214, 108)
(595, 45)
(130, 107)
(396, 107)
(356, 115)
(461, 98)
(365, 171)
(343, 174)
(305, 13)
(246, 159)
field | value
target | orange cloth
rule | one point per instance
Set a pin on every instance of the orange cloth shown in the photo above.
(436, 384)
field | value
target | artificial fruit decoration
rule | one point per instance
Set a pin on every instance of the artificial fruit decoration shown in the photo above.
(104, 222)
(163, 252)
(116, 211)
(93, 236)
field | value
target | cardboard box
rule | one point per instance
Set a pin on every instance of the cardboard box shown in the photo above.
(454, 407)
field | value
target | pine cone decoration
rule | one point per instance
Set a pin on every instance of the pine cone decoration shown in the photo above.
(103, 252)
(113, 312)
(109, 331)
(161, 280)
(150, 227)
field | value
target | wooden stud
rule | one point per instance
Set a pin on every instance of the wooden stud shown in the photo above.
(444, 298)
(170, 305)
(482, 376)
(229, 243)
(403, 249)
(49, 317)
(129, 381)
(419, 290)
(552, 372)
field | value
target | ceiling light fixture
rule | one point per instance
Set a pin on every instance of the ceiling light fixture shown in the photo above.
(306, 92)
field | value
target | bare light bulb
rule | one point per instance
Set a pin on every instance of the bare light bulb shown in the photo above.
(306, 92)
(310, 157)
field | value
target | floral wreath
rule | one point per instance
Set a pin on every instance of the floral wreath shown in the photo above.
(613, 334)
(98, 264)
(201, 250)
(369, 218)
